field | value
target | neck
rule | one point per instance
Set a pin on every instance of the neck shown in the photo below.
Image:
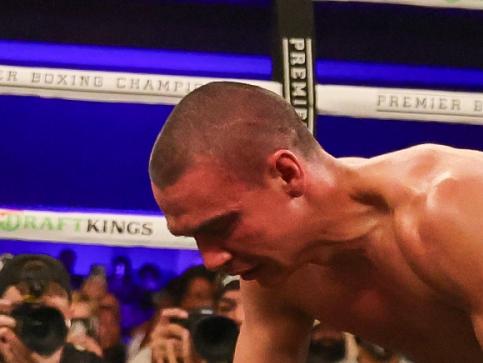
(345, 215)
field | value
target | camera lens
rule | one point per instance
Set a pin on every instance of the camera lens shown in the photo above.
(41, 328)
(214, 337)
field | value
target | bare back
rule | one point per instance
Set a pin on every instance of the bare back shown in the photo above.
(415, 284)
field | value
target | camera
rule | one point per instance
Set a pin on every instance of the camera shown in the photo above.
(214, 336)
(41, 328)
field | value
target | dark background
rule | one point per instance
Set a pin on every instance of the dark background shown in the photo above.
(345, 31)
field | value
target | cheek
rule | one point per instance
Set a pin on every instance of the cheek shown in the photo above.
(12, 295)
(250, 244)
(261, 235)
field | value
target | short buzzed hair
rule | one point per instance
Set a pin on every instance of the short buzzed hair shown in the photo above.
(237, 124)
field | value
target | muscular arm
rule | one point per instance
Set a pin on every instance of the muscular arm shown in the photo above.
(272, 331)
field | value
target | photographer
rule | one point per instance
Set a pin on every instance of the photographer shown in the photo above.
(192, 290)
(84, 328)
(95, 290)
(173, 343)
(34, 309)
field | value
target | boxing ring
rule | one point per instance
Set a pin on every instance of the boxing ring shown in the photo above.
(79, 121)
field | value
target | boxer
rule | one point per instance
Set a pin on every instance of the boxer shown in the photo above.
(387, 248)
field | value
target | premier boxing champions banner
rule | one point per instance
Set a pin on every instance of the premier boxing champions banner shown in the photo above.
(104, 86)
(90, 228)
(401, 104)
(461, 4)
(336, 100)
(293, 59)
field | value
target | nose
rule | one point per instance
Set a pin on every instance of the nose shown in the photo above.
(215, 258)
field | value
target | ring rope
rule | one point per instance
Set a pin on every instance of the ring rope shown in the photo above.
(335, 100)
(113, 229)
(460, 4)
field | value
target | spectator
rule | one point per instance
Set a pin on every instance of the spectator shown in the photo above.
(95, 285)
(121, 283)
(172, 343)
(121, 280)
(84, 329)
(228, 301)
(108, 313)
(192, 290)
(44, 280)
(195, 288)
(137, 312)
(149, 278)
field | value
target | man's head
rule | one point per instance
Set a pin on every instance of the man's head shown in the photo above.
(95, 285)
(194, 289)
(236, 124)
(228, 168)
(36, 277)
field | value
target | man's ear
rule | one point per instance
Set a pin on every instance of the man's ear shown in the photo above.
(285, 165)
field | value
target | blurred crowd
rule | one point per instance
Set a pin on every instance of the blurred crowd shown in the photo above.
(118, 315)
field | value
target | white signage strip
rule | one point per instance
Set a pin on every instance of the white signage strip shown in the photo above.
(461, 4)
(105, 86)
(351, 101)
(400, 104)
(90, 228)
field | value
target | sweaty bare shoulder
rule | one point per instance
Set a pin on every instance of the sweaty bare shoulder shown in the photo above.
(352, 161)
(446, 153)
(441, 237)
(449, 224)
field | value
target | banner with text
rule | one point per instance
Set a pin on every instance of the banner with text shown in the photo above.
(90, 228)
(400, 104)
(294, 56)
(337, 100)
(105, 86)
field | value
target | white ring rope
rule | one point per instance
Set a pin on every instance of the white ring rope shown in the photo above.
(400, 104)
(90, 228)
(102, 85)
(349, 101)
(461, 4)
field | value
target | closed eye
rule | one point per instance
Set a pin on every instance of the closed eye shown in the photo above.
(219, 226)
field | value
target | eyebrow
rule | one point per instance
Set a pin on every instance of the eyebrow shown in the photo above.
(207, 224)
(226, 219)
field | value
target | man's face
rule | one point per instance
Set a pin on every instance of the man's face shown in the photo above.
(230, 306)
(199, 294)
(54, 296)
(250, 230)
